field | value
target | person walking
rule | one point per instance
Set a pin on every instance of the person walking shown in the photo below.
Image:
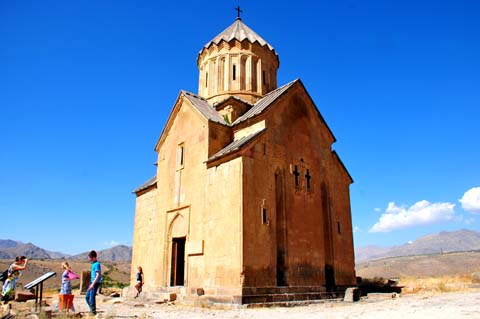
(140, 281)
(14, 273)
(95, 281)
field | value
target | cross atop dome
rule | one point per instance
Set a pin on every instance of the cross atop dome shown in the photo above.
(238, 12)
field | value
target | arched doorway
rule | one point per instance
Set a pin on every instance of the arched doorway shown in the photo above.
(177, 269)
(178, 237)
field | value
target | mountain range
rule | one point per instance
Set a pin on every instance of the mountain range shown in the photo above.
(438, 243)
(443, 242)
(9, 249)
(116, 253)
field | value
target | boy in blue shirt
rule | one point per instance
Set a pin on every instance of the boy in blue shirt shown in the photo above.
(95, 280)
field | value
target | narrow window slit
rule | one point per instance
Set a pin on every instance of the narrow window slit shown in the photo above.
(308, 177)
(296, 174)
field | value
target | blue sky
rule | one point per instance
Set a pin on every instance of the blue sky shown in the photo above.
(86, 87)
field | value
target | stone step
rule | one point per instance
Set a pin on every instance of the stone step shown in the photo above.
(290, 303)
(281, 290)
(289, 297)
(263, 300)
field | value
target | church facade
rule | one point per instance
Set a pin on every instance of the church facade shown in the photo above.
(249, 199)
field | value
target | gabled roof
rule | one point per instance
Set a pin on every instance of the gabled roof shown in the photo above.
(235, 145)
(238, 31)
(204, 107)
(199, 104)
(264, 102)
(152, 181)
(230, 98)
(209, 112)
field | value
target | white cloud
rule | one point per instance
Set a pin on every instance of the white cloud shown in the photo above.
(378, 210)
(421, 213)
(356, 229)
(471, 200)
(112, 243)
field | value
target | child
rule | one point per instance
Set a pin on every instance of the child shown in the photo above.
(95, 281)
(140, 282)
(65, 299)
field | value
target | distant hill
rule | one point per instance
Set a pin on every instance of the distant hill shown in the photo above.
(432, 265)
(9, 249)
(8, 243)
(370, 252)
(117, 253)
(443, 242)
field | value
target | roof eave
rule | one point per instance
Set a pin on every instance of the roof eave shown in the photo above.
(343, 165)
(213, 161)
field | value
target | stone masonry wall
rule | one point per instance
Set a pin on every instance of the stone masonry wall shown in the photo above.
(295, 137)
(145, 215)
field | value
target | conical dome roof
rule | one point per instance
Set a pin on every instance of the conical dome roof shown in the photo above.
(238, 31)
(237, 62)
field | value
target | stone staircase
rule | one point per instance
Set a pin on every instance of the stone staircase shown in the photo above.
(285, 295)
(251, 297)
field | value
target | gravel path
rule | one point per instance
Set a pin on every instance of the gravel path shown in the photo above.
(414, 306)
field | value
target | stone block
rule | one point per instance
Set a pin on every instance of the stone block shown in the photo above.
(352, 294)
(24, 296)
(169, 296)
(84, 281)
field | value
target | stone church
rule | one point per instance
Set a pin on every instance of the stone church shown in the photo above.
(249, 203)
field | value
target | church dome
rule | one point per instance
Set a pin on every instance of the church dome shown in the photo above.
(238, 31)
(237, 62)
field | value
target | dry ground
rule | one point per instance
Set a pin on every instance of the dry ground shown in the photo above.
(435, 287)
(457, 305)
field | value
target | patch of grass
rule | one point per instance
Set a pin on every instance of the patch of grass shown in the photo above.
(108, 282)
(438, 284)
